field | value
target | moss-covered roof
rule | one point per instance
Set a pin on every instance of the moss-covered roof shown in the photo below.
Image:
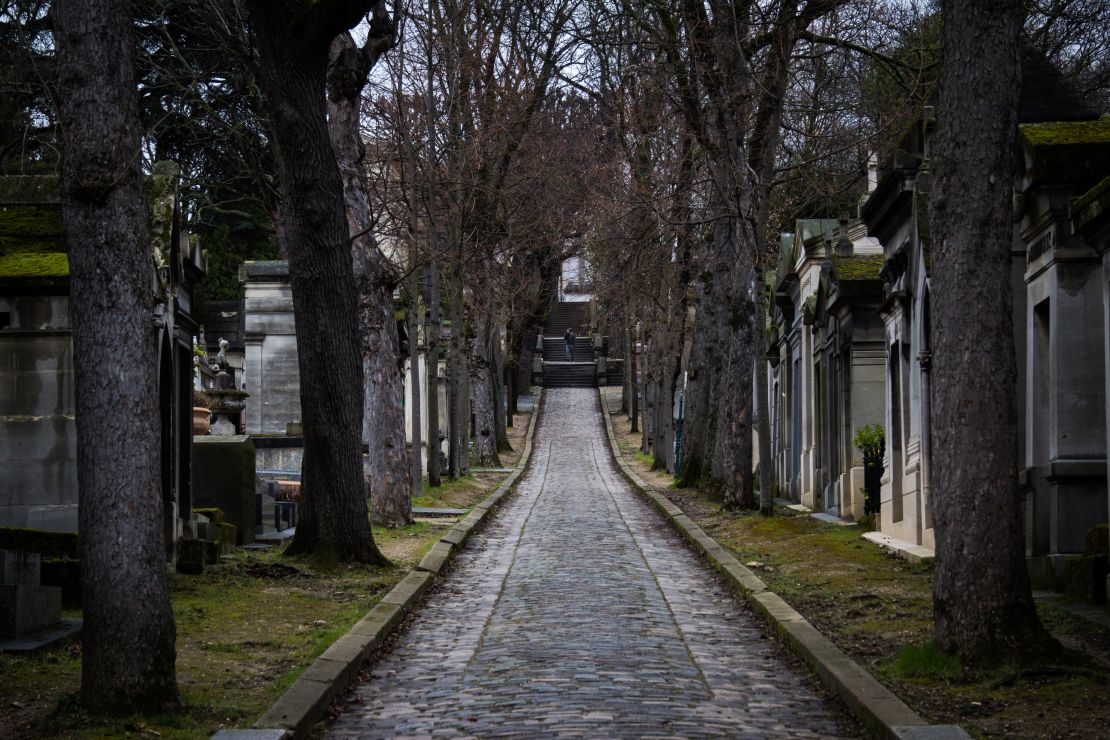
(1063, 133)
(42, 268)
(32, 239)
(1067, 151)
(858, 267)
(32, 243)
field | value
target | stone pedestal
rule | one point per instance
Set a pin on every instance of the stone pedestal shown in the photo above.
(224, 478)
(25, 605)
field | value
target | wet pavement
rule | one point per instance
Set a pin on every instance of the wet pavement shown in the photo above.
(578, 612)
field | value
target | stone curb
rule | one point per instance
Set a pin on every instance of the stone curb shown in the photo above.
(304, 703)
(878, 708)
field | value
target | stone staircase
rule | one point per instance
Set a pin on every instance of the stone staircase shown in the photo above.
(563, 316)
(581, 371)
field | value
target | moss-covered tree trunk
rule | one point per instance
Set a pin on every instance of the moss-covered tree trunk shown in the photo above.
(981, 595)
(128, 653)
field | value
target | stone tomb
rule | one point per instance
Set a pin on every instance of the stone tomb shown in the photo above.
(25, 604)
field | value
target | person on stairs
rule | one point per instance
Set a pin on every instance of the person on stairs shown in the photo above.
(569, 339)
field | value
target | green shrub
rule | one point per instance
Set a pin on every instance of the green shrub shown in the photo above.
(871, 441)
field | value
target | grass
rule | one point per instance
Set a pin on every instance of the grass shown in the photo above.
(925, 661)
(245, 630)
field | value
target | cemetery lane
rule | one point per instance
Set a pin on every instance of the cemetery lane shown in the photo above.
(578, 611)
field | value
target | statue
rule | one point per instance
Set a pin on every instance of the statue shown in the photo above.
(221, 356)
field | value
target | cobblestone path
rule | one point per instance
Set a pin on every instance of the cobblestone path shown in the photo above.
(578, 612)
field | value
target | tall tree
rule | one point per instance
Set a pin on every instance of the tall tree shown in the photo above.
(128, 643)
(292, 39)
(383, 418)
(981, 592)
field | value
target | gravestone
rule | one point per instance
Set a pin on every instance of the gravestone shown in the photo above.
(25, 604)
(224, 478)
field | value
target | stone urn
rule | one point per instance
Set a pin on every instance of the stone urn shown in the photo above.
(201, 421)
(225, 401)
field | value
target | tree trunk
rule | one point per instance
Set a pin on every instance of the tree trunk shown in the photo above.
(481, 397)
(497, 383)
(458, 461)
(633, 382)
(731, 468)
(431, 334)
(766, 494)
(981, 594)
(647, 390)
(707, 358)
(383, 418)
(128, 640)
(622, 326)
(292, 45)
(415, 320)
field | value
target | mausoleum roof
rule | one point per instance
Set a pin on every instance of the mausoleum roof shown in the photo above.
(1075, 152)
(32, 242)
(1091, 205)
(857, 267)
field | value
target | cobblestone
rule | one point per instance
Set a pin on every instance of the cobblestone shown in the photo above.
(577, 612)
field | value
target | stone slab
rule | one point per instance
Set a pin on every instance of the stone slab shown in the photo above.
(830, 519)
(774, 608)
(301, 706)
(908, 551)
(268, 734)
(19, 568)
(276, 538)
(343, 659)
(379, 621)
(458, 535)
(741, 578)
(875, 705)
(472, 519)
(26, 609)
(929, 732)
(60, 634)
(436, 558)
(408, 592)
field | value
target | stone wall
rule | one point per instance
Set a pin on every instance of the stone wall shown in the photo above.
(270, 346)
(38, 471)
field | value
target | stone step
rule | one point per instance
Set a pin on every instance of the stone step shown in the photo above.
(554, 350)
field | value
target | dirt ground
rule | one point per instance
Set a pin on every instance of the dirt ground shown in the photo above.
(878, 609)
(245, 629)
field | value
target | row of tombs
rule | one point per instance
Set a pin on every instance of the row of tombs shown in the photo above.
(849, 344)
(228, 481)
